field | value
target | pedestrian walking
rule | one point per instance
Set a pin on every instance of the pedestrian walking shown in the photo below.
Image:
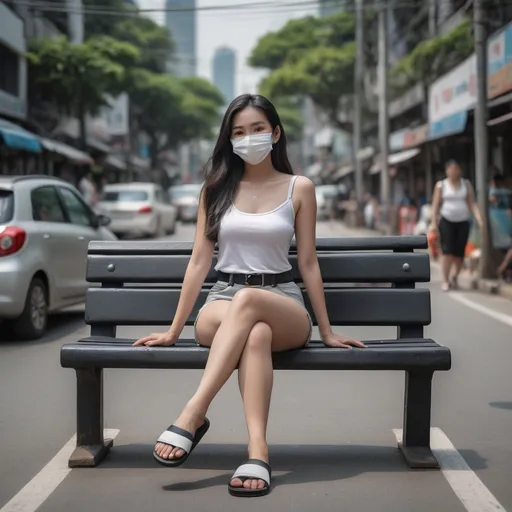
(453, 205)
(251, 205)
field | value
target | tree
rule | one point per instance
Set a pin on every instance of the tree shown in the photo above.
(433, 58)
(171, 110)
(74, 79)
(313, 57)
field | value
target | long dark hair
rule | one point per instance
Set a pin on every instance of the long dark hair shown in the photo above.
(224, 170)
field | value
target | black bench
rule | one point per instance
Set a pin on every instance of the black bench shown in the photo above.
(140, 285)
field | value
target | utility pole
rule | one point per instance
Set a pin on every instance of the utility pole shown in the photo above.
(481, 136)
(383, 112)
(358, 97)
(75, 21)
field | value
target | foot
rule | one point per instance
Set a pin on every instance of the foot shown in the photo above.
(445, 287)
(258, 451)
(189, 420)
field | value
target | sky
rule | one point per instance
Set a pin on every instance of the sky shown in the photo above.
(238, 29)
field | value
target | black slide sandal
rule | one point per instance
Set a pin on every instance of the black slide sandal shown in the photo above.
(179, 438)
(253, 469)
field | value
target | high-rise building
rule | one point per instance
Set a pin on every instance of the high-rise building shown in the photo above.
(181, 20)
(224, 71)
(328, 7)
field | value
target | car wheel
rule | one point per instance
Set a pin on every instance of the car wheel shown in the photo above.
(31, 324)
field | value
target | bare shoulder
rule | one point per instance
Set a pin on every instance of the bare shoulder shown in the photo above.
(304, 186)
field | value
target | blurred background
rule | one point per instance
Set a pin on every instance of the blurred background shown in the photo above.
(109, 111)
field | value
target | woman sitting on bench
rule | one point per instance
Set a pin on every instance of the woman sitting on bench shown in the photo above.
(251, 206)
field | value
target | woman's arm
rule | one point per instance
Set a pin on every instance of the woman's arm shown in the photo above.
(473, 206)
(305, 233)
(436, 205)
(197, 270)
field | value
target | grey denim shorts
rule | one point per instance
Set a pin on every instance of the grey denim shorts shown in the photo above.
(222, 290)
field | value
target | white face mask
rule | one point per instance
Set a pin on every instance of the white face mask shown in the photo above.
(254, 148)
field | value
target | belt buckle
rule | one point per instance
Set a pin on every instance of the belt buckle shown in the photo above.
(247, 281)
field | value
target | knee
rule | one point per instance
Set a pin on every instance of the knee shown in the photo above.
(246, 299)
(260, 337)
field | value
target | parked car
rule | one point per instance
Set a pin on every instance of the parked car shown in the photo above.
(138, 209)
(45, 227)
(186, 199)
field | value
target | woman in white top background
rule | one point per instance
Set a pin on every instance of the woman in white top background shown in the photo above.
(453, 205)
(251, 206)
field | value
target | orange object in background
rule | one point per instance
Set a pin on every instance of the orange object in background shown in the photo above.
(433, 244)
(470, 247)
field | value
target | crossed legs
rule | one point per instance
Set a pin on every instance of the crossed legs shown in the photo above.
(243, 333)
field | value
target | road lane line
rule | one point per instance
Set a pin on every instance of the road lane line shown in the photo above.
(37, 491)
(470, 490)
(501, 317)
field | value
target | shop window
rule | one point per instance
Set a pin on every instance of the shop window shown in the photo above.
(9, 77)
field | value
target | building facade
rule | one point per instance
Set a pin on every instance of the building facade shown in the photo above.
(13, 78)
(224, 72)
(181, 20)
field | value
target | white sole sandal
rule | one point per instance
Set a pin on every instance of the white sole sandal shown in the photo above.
(179, 438)
(253, 469)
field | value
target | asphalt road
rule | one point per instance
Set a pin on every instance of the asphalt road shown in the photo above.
(331, 434)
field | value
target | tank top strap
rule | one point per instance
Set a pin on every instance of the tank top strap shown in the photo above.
(290, 188)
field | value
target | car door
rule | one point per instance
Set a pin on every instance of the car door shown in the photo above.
(82, 221)
(54, 236)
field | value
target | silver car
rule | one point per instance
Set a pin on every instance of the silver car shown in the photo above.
(45, 228)
(186, 199)
(138, 209)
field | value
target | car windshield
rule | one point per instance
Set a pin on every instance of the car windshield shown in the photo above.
(185, 191)
(125, 195)
(6, 206)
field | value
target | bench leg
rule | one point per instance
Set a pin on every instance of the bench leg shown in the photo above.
(415, 445)
(91, 448)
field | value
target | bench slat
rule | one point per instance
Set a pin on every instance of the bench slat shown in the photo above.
(377, 243)
(349, 267)
(349, 306)
(84, 355)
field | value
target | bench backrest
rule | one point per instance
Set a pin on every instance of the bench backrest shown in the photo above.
(141, 283)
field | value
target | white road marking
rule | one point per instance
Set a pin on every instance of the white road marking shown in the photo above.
(501, 317)
(470, 490)
(37, 491)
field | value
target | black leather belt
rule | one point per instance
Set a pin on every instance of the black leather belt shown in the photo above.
(256, 279)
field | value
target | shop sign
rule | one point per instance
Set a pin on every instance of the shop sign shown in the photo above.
(408, 138)
(499, 63)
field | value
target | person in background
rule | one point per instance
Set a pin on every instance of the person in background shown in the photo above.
(499, 195)
(452, 206)
(87, 188)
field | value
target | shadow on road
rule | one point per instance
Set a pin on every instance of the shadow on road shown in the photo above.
(59, 326)
(507, 406)
(299, 463)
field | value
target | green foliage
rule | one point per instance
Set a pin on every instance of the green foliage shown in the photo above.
(155, 42)
(172, 110)
(75, 78)
(433, 58)
(312, 57)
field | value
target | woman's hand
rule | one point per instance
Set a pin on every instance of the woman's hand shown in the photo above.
(433, 227)
(157, 338)
(338, 341)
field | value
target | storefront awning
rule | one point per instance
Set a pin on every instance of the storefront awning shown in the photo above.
(70, 152)
(16, 137)
(115, 162)
(395, 159)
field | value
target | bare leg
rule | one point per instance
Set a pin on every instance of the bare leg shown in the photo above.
(446, 264)
(505, 263)
(457, 263)
(255, 378)
(289, 323)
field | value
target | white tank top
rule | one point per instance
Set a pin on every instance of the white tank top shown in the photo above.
(257, 243)
(455, 202)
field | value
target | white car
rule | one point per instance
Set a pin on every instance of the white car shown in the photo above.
(45, 227)
(138, 209)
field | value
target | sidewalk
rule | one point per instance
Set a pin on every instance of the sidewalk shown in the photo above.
(466, 280)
